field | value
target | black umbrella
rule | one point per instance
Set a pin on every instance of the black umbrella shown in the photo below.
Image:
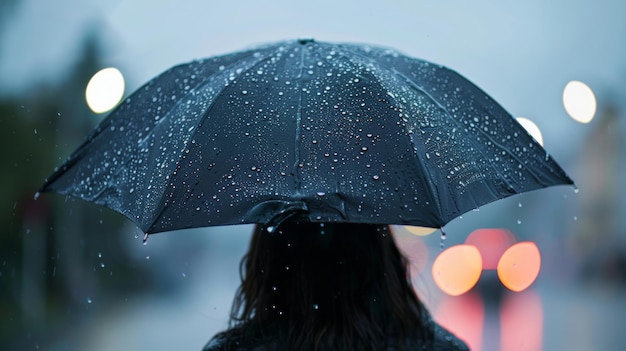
(326, 132)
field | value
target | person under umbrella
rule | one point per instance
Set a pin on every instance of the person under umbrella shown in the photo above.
(322, 145)
(328, 286)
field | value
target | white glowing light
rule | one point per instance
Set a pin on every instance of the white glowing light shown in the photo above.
(579, 101)
(105, 90)
(531, 128)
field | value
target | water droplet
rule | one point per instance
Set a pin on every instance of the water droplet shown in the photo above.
(519, 204)
(244, 92)
(442, 239)
(147, 257)
(519, 221)
(316, 306)
(37, 194)
(145, 239)
(99, 255)
(101, 264)
(89, 300)
(270, 229)
(183, 274)
(321, 193)
(376, 177)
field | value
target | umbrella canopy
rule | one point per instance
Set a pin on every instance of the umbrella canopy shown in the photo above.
(326, 132)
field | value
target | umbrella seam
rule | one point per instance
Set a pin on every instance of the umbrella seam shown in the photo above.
(433, 188)
(471, 140)
(298, 131)
(203, 119)
(482, 132)
(417, 87)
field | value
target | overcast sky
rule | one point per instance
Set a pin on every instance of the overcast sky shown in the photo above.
(522, 53)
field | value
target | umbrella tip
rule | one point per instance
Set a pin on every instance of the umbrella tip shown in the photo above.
(304, 41)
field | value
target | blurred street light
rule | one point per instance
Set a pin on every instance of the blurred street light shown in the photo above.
(579, 101)
(105, 90)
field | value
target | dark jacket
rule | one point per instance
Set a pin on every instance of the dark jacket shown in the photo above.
(443, 341)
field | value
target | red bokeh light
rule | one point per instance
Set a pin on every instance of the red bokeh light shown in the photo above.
(491, 243)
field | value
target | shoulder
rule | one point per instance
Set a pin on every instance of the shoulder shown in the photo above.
(217, 343)
(231, 340)
(446, 341)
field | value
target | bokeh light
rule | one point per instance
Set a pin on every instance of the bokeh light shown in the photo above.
(421, 231)
(519, 266)
(491, 243)
(457, 269)
(521, 322)
(531, 128)
(579, 101)
(105, 90)
(464, 316)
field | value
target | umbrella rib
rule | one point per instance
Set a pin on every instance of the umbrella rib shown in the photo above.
(298, 131)
(417, 87)
(433, 189)
(203, 119)
(431, 186)
(443, 108)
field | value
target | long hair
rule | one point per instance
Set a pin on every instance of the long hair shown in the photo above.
(332, 286)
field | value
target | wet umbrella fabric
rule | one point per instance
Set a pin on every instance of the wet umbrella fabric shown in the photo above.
(326, 132)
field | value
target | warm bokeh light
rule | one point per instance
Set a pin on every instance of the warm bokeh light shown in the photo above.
(105, 90)
(421, 231)
(531, 128)
(521, 322)
(579, 101)
(519, 266)
(491, 243)
(457, 269)
(464, 316)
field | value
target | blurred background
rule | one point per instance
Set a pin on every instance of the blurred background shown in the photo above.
(76, 276)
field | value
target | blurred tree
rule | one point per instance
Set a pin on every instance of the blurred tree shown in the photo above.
(6, 8)
(55, 253)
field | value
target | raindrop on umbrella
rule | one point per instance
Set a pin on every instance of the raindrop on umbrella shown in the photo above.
(448, 145)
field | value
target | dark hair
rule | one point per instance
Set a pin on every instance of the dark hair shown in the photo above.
(332, 286)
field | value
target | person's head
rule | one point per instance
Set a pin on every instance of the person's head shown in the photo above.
(333, 285)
